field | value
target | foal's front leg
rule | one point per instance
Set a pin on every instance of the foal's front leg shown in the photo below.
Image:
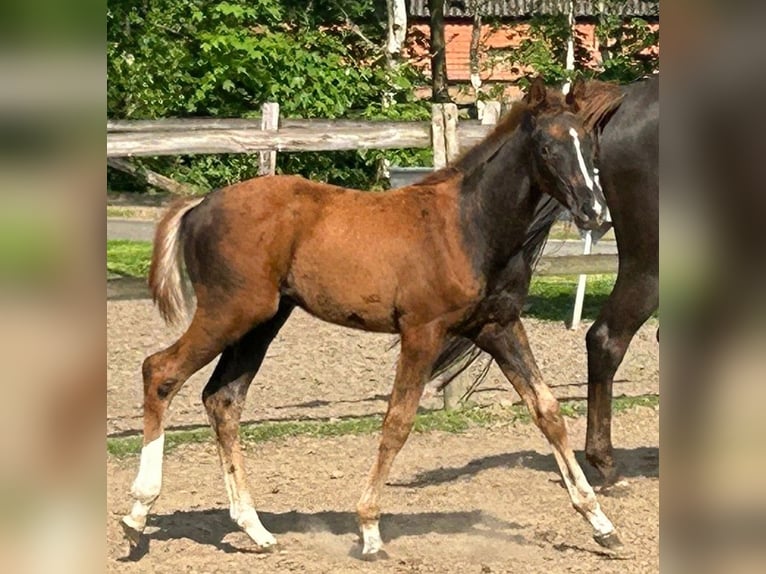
(419, 349)
(510, 348)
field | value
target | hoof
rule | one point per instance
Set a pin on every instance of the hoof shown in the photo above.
(603, 463)
(609, 541)
(374, 555)
(264, 543)
(609, 473)
(266, 548)
(131, 532)
(618, 489)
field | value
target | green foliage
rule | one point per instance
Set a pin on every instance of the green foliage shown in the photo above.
(180, 58)
(546, 48)
(622, 45)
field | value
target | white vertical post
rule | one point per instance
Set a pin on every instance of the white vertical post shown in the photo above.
(570, 61)
(267, 164)
(580, 294)
(570, 66)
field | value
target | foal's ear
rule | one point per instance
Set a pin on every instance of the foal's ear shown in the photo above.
(576, 96)
(537, 93)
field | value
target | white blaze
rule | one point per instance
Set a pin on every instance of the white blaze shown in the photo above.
(596, 205)
(581, 159)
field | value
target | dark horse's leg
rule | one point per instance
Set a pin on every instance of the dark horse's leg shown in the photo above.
(419, 349)
(224, 398)
(510, 348)
(632, 301)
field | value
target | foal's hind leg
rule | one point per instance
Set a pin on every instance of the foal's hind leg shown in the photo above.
(510, 348)
(420, 348)
(164, 374)
(633, 299)
(224, 398)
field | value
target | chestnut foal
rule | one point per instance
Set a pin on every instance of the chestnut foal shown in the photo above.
(426, 261)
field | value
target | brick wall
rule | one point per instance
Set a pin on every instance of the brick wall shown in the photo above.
(458, 41)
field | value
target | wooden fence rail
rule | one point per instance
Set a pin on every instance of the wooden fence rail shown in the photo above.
(200, 136)
(373, 135)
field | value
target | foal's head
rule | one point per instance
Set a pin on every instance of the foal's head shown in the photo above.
(563, 156)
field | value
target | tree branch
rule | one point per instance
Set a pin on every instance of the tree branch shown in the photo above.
(150, 177)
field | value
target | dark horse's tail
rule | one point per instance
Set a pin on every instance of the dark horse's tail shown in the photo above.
(165, 274)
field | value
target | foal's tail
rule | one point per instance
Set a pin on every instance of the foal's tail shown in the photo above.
(165, 273)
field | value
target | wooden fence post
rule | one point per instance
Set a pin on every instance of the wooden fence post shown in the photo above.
(446, 149)
(451, 143)
(491, 113)
(267, 164)
(437, 136)
(444, 134)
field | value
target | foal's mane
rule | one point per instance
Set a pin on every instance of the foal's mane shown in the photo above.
(482, 151)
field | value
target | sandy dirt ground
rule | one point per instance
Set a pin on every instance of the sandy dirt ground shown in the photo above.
(317, 370)
(487, 500)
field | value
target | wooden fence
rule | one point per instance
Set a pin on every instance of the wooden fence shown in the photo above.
(205, 136)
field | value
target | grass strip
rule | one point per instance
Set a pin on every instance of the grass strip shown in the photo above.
(427, 421)
(552, 298)
(131, 258)
(121, 212)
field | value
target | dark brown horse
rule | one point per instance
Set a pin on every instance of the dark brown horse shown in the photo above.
(627, 119)
(629, 163)
(427, 261)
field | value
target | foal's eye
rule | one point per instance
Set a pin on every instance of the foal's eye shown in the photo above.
(546, 151)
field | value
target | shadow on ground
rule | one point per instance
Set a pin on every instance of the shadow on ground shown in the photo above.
(632, 463)
(210, 527)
